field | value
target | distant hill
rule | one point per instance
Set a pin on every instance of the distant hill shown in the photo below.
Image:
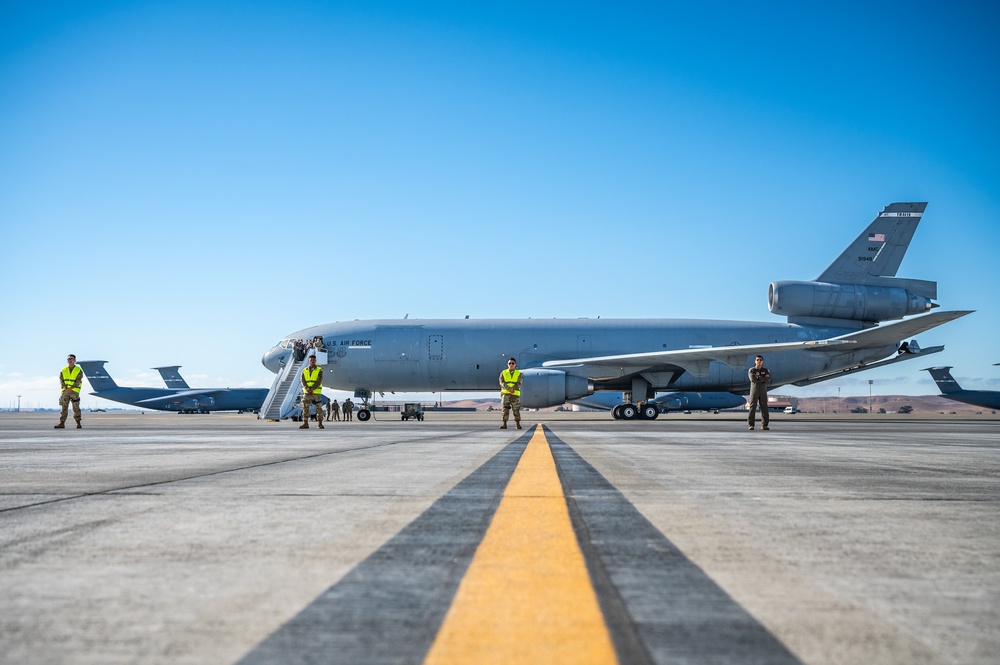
(920, 404)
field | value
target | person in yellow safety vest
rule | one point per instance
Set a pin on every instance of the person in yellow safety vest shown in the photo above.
(312, 392)
(510, 392)
(70, 382)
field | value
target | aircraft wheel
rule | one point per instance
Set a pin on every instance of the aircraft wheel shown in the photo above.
(650, 411)
(629, 412)
(364, 414)
(616, 412)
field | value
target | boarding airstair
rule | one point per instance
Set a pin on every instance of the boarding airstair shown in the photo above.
(281, 390)
(280, 400)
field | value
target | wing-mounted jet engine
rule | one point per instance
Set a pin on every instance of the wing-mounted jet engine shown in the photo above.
(552, 387)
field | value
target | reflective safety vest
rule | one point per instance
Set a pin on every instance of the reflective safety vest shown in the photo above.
(69, 377)
(312, 380)
(511, 380)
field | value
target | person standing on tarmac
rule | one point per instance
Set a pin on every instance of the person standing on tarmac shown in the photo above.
(759, 376)
(70, 381)
(334, 410)
(510, 392)
(312, 392)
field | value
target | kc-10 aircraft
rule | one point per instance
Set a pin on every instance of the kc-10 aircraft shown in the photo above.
(950, 389)
(835, 326)
(181, 399)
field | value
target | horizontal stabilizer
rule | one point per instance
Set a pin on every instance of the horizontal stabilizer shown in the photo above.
(890, 333)
(861, 367)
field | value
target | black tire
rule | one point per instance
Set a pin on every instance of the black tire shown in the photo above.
(629, 412)
(650, 411)
(364, 415)
(616, 412)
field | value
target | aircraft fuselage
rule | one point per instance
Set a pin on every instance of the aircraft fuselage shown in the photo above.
(468, 355)
(239, 399)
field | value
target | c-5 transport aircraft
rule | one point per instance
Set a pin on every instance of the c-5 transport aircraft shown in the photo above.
(949, 388)
(182, 400)
(666, 402)
(834, 327)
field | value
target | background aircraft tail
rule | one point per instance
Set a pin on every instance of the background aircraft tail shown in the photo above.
(945, 381)
(97, 376)
(172, 377)
(860, 287)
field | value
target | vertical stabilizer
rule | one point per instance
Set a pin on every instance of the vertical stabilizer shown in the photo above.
(880, 248)
(172, 377)
(97, 376)
(945, 381)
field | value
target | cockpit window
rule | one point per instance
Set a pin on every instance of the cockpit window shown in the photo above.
(286, 343)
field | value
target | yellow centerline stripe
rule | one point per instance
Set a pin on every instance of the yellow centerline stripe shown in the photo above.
(527, 596)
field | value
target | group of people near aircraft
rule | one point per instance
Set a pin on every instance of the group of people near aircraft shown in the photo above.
(301, 347)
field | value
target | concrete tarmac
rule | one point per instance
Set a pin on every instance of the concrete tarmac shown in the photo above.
(218, 538)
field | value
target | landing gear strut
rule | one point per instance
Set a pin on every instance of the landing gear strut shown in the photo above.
(364, 413)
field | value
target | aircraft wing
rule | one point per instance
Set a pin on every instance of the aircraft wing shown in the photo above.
(697, 361)
(180, 395)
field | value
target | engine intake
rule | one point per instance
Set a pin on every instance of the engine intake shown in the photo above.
(551, 387)
(854, 302)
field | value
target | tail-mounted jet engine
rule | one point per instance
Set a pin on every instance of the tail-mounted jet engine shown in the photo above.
(550, 387)
(855, 302)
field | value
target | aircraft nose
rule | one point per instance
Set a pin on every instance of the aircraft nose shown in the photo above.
(272, 359)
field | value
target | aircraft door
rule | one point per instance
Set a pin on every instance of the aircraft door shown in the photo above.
(435, 347)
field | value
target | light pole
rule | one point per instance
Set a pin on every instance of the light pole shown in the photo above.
(19, 404)
(870, 382)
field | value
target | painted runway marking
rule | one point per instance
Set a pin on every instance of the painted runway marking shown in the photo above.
(530, 558)
(388, 609)
(527, 596)
(659, 605)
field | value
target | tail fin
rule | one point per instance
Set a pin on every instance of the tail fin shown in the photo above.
(99, 379)
(875, 255)
(945, 381)
(172, 377)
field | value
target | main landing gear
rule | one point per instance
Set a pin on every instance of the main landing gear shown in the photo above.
(364, 413)
(640, 411)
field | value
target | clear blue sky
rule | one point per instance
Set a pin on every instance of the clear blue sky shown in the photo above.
(187, 182)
